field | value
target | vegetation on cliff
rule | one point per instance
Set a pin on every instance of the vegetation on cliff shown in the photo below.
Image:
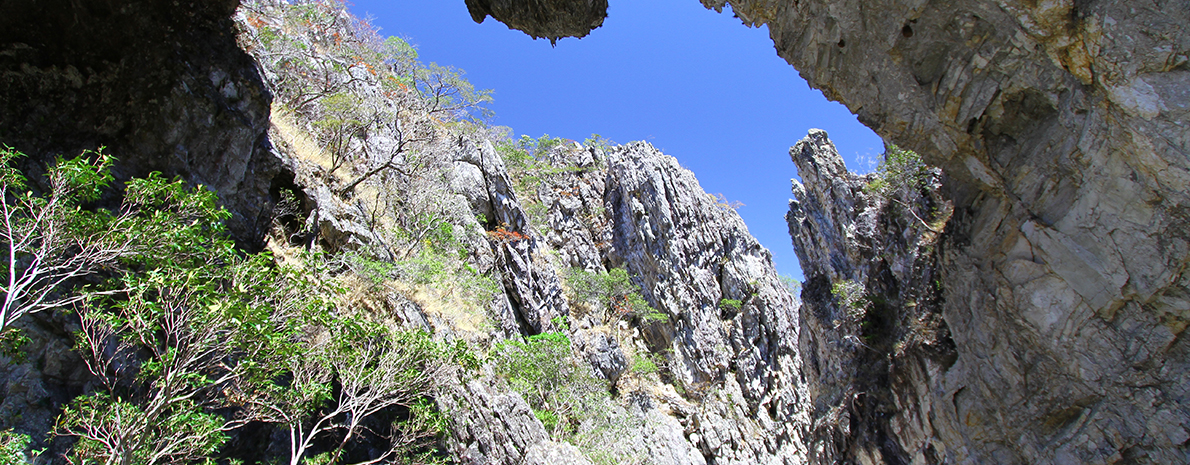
(190, 344)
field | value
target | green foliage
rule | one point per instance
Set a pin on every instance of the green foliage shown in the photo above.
(516, 158)
(730, 304)
(190, 433)
(189, 330)
(547, 418)
(609, 436)
(561, 391)
(644, 364)
(900, 170)
(445, 91)
(13, 447)
(614, 291)
(851, 297)
(13, 343)
(598, 142)
(318, 50)
(343, 117)
(532, 168)
(442, 271)
(792, 284)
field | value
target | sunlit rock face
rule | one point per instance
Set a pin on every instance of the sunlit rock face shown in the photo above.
(551, 19)
(1061, 129)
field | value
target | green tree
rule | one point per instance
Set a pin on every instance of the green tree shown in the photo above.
(900, 170)
(561, 391)
(47, 241)
(13, 447)
(614, 291)
(191, 338)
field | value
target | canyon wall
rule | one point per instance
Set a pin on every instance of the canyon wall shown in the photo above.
(1029, 304)
(1061, 129)
(162, 85)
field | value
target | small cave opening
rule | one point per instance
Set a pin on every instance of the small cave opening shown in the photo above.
(290, 209)
(907, 31)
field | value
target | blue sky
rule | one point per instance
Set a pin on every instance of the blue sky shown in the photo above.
(696, 84)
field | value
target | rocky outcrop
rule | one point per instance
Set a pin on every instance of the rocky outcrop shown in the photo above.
(552, 19)
(499, 427)
(636, 208)
(871, 316)
(1064, 268)
(1059, 126)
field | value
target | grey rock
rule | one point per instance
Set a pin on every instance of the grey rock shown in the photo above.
(1066, 156)
(553, 453)
(1060, 127)
(488, 426)
(481, 177)
(551, 19)
(532, 284)
(603, 352)
(634, 207)
(871, 313)
(163, 86)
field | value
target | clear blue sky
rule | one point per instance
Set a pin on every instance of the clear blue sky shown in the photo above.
(696, 84)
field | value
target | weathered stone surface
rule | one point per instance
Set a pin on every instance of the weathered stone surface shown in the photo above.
(553, 453)
(551, 19)
(1060, 127)
(603, 352)
(871, 316)
(489, 426)
(633, 207)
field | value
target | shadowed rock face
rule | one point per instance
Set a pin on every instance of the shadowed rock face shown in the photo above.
(551, 19)
(161, 84)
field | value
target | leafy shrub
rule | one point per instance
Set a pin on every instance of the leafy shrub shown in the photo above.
(900, 170)
(792, 284)
(851, 297)
(542, 369)
(730, 304)
(13, 446)
(191, 330)
(644, 364)
(614, 291)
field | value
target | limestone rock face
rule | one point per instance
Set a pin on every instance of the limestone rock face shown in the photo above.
(551, 19)
(499, 429)
(871, 313)
(634, 207)
(1060, 127)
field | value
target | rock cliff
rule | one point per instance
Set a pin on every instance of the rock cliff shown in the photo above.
(1059, 126)
(549, 19)
(872, 309)
(163, 85)
(1029, 305)
(704, 369)
(1063, 270)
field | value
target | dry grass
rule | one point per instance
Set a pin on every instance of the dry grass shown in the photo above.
(299, 142)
